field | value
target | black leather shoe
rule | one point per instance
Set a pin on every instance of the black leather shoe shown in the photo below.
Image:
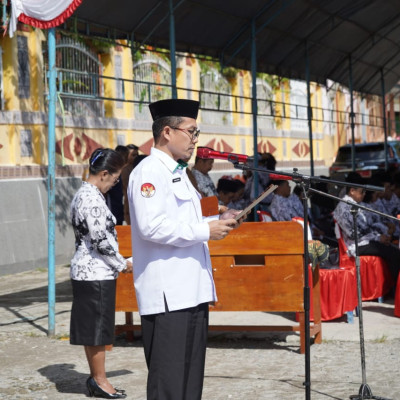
(96, 391)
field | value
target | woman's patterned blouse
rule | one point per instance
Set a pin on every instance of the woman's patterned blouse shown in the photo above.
(96, 248)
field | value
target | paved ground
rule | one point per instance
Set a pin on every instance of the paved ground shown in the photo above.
(239, 367)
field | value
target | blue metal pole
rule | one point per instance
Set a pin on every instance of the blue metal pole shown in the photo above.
(254, 106)
(309, 113)
(172, 48)
(51, 182)
(4, 18)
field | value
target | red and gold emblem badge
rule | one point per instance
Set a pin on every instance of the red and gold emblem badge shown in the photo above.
(147, 190)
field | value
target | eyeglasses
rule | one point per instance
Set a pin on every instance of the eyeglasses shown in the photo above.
(116, 180)
(193, 132)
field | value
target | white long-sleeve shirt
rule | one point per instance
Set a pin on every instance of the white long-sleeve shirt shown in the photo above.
(169, 237)
(96, 249)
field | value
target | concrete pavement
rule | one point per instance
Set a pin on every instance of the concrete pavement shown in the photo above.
(239, 366)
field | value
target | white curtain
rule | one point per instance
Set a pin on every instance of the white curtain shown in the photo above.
(41, 13)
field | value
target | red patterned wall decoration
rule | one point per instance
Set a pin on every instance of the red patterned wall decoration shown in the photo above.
(74, 145)
(265, 146)
(301, 149)
(219, 145)
(146, 146)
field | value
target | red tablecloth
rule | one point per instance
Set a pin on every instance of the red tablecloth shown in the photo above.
(376, 279)
(339, 287)
(338, 292)
(397, 299)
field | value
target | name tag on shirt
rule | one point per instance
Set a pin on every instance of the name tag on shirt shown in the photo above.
(176, 180)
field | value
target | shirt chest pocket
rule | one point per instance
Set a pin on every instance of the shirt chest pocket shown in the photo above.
(181, 192)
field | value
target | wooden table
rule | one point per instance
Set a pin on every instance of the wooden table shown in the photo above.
(257, 267)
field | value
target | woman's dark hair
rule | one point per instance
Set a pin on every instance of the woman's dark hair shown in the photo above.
(124, 151)
(105, 160)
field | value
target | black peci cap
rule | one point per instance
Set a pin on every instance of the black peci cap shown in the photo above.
(174, 108)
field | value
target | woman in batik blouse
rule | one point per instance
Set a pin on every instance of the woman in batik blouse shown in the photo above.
(95, 267)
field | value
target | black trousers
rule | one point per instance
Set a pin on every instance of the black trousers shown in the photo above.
(175, 349)
(389, 252)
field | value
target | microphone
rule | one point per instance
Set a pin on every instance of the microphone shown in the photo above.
(204, 152)
(232, 157)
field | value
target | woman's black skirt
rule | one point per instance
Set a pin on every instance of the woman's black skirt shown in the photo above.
(93, 313)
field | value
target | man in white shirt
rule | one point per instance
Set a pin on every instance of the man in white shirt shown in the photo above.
(172, 267)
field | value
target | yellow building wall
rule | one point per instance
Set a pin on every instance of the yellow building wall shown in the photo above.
(6, 149)
(246, 76)
(10, 72)
(114, 109)
(35, 40)
(10, 135)
(341, 128)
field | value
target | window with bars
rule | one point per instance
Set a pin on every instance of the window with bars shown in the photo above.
(298, 105)
(152, 76)
(24, 78)
(26, 143)
(119, 84)
(189, 84)
(265, 106)
(79, 78)
(215, 95)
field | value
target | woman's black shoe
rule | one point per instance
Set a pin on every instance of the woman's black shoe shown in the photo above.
(96, 391)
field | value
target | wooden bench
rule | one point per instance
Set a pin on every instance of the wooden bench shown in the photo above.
(257, 267)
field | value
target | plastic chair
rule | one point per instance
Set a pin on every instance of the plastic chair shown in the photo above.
(300, 220)
(264, 216)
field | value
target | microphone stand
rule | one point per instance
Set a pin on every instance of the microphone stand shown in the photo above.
(305, 181)
(364, 391)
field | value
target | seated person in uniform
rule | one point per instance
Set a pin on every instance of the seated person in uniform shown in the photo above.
(238, 202)
(285, 206)
(371, 200)
(226, 189)
(280, 207)
(370, 240)
(200, 171)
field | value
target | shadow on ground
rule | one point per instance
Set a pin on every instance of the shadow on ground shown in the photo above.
(67, 380)
(22, 298)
